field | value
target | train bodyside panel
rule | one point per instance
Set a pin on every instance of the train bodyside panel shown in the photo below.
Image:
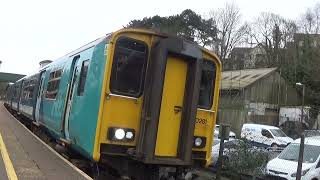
(53, 95)
(71, 94)
(28, 96)
(85, 101)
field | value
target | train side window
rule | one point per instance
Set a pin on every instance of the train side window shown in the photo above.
(53, 84)
(83, 77)
(207, 85)
(28, 88)
(128, 69)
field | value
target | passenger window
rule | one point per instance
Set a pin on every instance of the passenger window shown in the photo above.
(28, 88)
(53, 84)
(83, 77)
(207, 85)
(128, 69)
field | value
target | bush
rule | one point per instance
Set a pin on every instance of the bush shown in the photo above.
(245, 159)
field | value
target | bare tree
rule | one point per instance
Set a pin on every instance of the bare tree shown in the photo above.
(230, 29)
(272, 32)
(310, 21)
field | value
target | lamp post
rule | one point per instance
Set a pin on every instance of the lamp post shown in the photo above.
(300, 159)
(302, 113)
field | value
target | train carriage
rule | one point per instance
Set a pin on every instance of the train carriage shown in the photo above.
(29, 90)
(16, 92)
(132, 100)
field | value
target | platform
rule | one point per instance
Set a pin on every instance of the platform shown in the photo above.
(29, 156)
(3, 173)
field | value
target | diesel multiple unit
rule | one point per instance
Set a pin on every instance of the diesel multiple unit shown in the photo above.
(132, 100)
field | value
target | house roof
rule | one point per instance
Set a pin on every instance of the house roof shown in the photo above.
(239, 79)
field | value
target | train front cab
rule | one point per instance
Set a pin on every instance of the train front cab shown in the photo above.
(150, 110)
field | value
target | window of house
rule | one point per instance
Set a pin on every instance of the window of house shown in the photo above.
(83, 77)
(53, 84)
(128, 69)
(207, 85)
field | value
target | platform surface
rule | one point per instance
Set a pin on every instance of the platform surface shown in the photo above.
(30, 158)
(3, 173)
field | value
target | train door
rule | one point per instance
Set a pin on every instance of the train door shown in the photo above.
(171, 107)
(39, 97)
(20, 96)
(170, 102)
(70, 94)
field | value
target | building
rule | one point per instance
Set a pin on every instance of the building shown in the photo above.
(246, 58)
(254, 95)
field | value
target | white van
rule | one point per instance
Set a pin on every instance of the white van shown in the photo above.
(285, 165)
(265, 136)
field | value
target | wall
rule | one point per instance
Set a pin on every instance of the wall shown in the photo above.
(257, 103)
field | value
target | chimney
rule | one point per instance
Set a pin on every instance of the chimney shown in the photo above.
(44, 63)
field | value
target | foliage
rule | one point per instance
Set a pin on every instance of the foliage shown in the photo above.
(247, 160)
(188, 25)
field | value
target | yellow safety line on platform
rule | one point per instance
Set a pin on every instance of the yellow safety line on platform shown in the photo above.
(6, 160)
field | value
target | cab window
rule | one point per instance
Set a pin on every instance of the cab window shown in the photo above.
(53, 84)
(128, 69)
(207, 85)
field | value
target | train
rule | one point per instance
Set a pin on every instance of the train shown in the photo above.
(135, 100)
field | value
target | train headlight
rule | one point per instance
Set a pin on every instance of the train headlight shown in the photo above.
(199, 142)
(119, 134)
(129, 135)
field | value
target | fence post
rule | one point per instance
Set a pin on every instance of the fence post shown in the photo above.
(224, 132)
(300, 159)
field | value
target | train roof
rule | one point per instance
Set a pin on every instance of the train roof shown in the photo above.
(107, 38)
(82, 48)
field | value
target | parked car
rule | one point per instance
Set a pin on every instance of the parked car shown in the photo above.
(311, 133)
(285, 165)
(265, 136)
(232, 135)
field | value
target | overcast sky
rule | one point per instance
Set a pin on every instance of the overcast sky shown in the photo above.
(34, 30)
